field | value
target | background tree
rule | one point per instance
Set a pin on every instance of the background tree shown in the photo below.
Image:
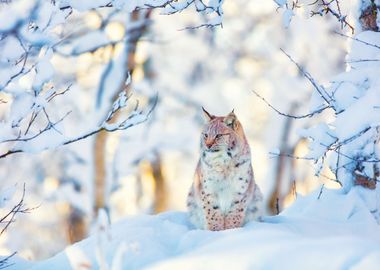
(349, 143)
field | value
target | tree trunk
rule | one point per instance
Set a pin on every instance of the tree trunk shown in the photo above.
(276, 198)
(76, 225)
(368, 16)
(101, 137)
(160, 192)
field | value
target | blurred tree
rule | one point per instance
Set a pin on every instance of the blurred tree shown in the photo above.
(349, 145)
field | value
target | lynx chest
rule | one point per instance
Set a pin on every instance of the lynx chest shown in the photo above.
(225, 186)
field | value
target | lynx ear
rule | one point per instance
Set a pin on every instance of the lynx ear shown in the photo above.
(207, 115)
(230, 119)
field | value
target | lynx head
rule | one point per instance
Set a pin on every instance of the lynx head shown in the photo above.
(222, 133)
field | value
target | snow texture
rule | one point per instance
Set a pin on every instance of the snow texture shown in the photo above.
(324, 230)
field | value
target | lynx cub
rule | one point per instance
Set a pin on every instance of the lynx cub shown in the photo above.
(224, 194)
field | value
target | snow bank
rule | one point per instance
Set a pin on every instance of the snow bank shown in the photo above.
(335, 231)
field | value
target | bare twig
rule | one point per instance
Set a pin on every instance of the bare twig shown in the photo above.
(321, 91)
(320, 192)
(175, 6)
(49, 125)
(358, 40)
(290, 156)
(8, 218)
(289, 115)
(135, 118)
(326, 9)
(4, 263)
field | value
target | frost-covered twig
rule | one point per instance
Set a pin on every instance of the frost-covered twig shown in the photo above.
(136, 117)
(327, 9)
(323, 8)
(49, 125)
(170, 7)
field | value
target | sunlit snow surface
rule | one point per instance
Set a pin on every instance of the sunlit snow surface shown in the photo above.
(335, 231)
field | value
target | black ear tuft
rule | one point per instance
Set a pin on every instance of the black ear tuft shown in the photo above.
(207, 115)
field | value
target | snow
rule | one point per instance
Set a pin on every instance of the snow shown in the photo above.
(49, 139)
(287, 17)
(16, 13)
(11, 50)
(328, 230)
(6, 195)
(44, 70)
(364, 112)
(21, 107)
(281, 3)
(87, 43)
(321, 137)
(275, 151)
(361, 51)
(6, 131)
(81, 5)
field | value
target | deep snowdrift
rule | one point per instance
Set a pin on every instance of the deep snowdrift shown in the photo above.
(333, 232)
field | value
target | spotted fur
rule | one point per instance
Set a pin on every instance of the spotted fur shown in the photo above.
(224, 194)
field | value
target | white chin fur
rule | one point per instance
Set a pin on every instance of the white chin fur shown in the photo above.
(218, 157)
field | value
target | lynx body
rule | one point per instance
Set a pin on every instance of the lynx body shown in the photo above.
(224, 194)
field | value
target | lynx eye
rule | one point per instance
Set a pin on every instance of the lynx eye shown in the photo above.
(205, 135)
(218, 136)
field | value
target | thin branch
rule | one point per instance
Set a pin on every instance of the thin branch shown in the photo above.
(130, 121)
(326, 9)
(18, 208)
(320, 192)
(358, 40)
(362, 60)
(49, 126)
(4, 263)
(289, 115)
(291, 156)
(176, 7)
(322, 92)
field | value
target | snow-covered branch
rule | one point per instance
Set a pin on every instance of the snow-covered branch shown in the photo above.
(134, 118)
(322, 8)
(333, 8)
(213, 8)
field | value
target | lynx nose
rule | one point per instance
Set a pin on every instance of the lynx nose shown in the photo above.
(209, 144)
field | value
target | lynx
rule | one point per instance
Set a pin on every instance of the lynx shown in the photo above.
(224, 194)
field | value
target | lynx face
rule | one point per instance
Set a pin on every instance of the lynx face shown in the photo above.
(217, 137)
(220, 138)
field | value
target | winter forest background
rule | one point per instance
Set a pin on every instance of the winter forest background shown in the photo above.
(100, 106)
